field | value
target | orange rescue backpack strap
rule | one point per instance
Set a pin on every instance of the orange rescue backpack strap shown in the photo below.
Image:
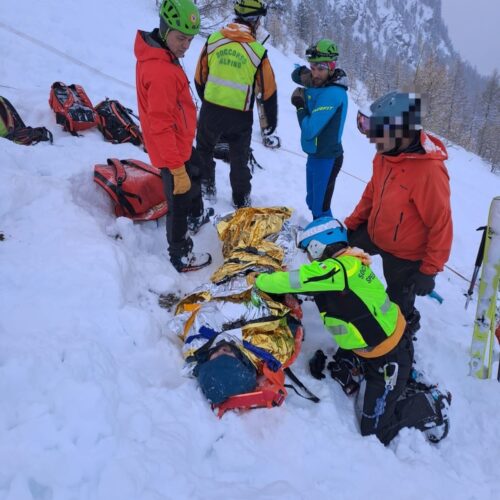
(270, 392)
(135, 187)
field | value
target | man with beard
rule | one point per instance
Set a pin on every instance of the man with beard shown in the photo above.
(321, 104)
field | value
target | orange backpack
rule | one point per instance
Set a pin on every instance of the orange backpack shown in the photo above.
(73, 108)
(135, 187)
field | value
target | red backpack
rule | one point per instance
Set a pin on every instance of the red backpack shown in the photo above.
(73, 108)
(135, 187)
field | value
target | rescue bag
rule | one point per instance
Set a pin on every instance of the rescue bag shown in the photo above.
(73, 108)
(116, 124)
(13, 128)
(135, 187)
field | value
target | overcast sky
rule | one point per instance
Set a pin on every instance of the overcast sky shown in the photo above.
(474, 28)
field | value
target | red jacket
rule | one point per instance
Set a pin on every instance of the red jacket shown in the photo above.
(407, 206)
(166, 108)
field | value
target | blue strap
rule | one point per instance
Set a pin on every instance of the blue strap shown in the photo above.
(208, 333)
(272, 363)
(204, 333)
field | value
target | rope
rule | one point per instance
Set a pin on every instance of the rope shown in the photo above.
(50, 48)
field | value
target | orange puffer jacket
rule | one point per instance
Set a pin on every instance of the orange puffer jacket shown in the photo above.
(407, 206)
(166, 109)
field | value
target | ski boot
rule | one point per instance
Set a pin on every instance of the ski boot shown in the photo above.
(191, 261)
(194, 223)
(271, 141)
(242, 201)
(413, 323)
(438, 430)
(209, 191)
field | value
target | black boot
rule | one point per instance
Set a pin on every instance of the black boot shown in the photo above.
(413, 322)
(241, 200)
(191, 261)
(195, 223)
(438, 428)
(208, 190)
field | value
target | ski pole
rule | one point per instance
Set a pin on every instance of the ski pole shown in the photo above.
(479, 260)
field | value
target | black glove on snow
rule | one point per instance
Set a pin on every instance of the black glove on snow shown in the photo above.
(298, 99)
(422, 283)
(317, 364)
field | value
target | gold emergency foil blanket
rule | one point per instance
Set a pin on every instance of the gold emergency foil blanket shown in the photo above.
(244, 240)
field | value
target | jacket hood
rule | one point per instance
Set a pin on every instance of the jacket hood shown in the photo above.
(434, 150)
(238, 32)
(147, 47)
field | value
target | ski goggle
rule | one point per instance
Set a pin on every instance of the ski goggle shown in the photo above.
(376, 127)
(323, 66)
(314, 53)
(363, 123)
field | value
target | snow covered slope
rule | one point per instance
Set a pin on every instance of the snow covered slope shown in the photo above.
(93, 404)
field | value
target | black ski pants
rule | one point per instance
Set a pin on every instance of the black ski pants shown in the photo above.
(182, 206)
(396, 411)
(396, 271)
(236, 127)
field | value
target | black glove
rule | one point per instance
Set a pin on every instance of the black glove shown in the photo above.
(298, 99)
(342, 369)
(269, 130)
(317, 364)
(422, 283)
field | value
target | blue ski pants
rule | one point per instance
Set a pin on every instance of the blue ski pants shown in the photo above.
(321, 174)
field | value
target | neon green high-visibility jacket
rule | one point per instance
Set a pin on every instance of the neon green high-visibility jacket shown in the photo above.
(232, 68)
(352, 301)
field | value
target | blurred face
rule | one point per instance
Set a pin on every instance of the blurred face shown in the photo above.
(389, 141)
(178, 42)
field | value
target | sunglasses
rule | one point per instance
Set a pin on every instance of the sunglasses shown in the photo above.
(322, 66)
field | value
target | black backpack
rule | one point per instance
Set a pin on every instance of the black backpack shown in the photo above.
(116, 124)
(13, 128)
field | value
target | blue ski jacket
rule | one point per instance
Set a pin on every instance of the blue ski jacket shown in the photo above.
(322, 120)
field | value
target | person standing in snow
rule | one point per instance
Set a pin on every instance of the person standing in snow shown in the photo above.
(321, 104)
(232, 69)
(168, 119)
(404, 213)
(368, 328)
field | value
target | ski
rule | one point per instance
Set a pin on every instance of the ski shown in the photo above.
(481, 352)
(270, 141)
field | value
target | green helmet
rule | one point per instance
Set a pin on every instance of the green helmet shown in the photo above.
(323, 51)
(179, 15)
(250, 8)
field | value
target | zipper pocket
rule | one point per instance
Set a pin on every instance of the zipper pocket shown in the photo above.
(397, 226)
(183, 114)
